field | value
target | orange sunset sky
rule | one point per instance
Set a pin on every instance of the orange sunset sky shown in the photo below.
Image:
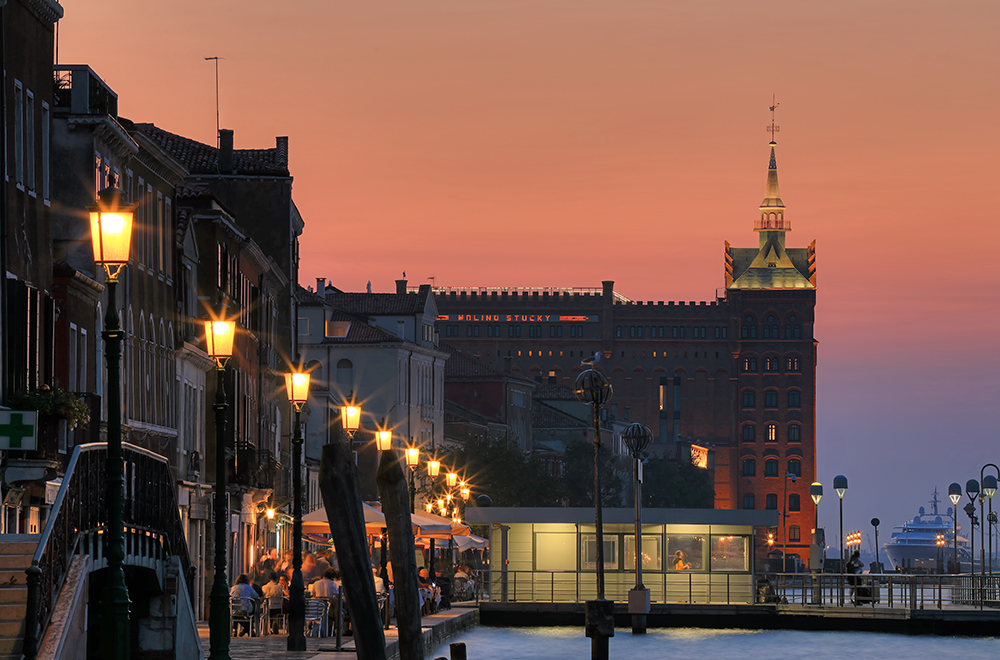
(562, 142)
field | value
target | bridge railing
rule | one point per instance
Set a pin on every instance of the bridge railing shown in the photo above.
(890, 590)
(78, 519)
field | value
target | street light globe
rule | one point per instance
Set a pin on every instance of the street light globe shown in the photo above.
(451, 479)
(429, 507)
(972, 488)
(412, 457)
(593, 387)
(955, 493)
(383, 440)
(433, 469)
(111, 230)
(637, 437)
(840, 485)
(816, 492)
(990, 485)
(350, 416)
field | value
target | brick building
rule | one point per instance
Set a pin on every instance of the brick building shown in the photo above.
(736, 372)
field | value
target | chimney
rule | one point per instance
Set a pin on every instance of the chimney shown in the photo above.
(321, 286)
(400, 287)
(225, 151)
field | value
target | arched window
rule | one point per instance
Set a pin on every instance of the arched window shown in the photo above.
(770, 364)
(767, 332)
(794, 533)
(797, 332)
(771, 399)
(794, 433)
(792, 364)
(748, 399)
(794, 399)
(753, 332)
(771, 501)
(771, 467)
(748, 502)
(795, 467)
(749, 467)
(772, 432)
(345, 376)
(750, 364)
(793, 502)
(748, 433)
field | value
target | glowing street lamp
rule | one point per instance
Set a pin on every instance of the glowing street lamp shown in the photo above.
(350, 417)
(840, 485)
(297, 389)
(466, 492)
(433, 468)
(219, 340)
(111, 237)
(451, 479)
(383, 439)
(412, 460)
(955, 494)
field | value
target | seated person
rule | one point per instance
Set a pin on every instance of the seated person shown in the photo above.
(379, 582)
(325, 587)
(680, 562)
(275, 595)
(243, 589)
(430, 593)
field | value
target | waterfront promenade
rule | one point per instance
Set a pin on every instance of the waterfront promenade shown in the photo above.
(437, 628)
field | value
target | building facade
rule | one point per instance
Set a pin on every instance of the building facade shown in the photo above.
(735, 374)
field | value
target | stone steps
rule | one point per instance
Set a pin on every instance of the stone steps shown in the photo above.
(15, 556)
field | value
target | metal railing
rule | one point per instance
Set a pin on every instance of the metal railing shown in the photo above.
(153, 528)
(890, 590)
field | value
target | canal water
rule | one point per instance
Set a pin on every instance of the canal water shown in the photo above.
(566, 643)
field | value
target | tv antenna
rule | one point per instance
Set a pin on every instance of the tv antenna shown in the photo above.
(217, 125)
(772, 129)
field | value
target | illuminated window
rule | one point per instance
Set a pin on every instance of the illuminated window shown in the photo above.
(748, 433)
(749, 467)
(748, 399)
(794, 533)
(772, 432)
(794, 399)
(771, 399)
(795, 433)
(793, 502)
(795, 467)
(748, 501)
(750, 364)
(771, 467)
(792, 364)
(771, 502)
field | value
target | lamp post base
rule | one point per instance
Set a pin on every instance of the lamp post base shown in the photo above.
(638, 607)
(599, 622)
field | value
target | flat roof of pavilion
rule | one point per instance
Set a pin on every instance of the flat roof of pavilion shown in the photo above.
(621, 516)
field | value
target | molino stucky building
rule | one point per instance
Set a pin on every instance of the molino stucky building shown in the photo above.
(737, 372)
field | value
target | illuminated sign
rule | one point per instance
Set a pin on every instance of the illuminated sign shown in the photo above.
(517, 318)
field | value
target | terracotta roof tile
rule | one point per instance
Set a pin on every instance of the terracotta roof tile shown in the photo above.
(200, 158)
(375, 304)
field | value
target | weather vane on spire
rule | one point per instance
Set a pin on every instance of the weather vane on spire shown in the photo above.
(772, 129)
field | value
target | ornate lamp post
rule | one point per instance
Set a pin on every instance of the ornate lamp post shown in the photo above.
(840, 485)
(297, 388)
(412, 460)
(637, 437)
(111, 236)
(593, 388)
(955, 494)
(219, 335)
(989, 483)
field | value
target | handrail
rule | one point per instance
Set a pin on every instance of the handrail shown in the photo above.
(80, 508)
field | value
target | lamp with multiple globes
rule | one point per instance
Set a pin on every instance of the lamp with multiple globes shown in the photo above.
(111, 238)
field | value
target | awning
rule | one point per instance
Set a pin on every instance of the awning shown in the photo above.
(316, 522)
(432, 526)
(470, 542)
(425, 525)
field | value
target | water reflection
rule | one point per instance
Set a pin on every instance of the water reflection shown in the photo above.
(567, 643)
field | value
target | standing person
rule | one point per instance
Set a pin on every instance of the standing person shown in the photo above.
(854, 568)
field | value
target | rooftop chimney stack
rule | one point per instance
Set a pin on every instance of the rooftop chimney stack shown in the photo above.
(225, 151)
(321, 286)
(400, 287)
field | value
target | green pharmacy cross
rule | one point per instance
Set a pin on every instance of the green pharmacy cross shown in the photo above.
(18, 429)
